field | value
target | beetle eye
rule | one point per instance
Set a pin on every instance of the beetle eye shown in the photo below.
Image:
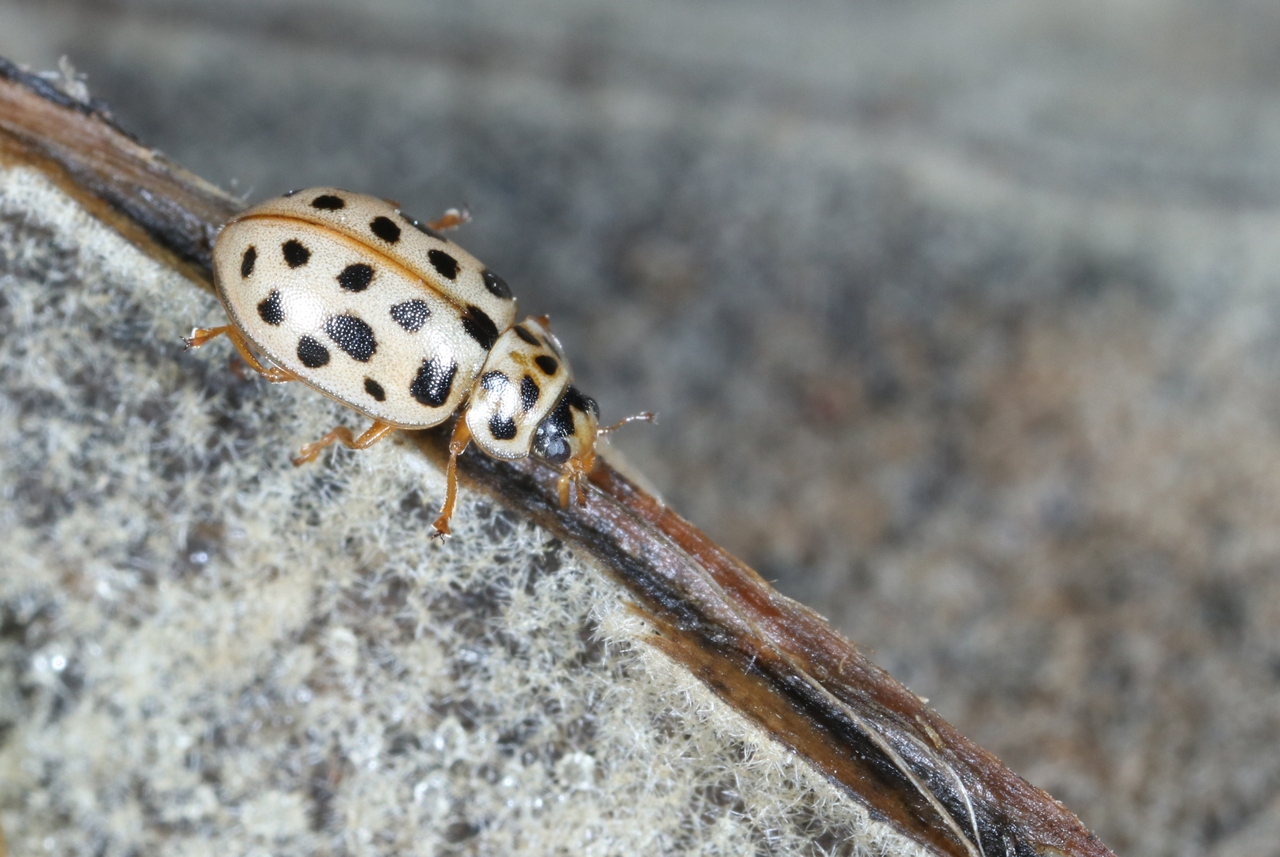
(554, 449)
(549, 438)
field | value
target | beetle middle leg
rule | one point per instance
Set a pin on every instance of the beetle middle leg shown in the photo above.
(342, 435)
(457, 445)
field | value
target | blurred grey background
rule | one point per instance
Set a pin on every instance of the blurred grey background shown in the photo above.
(961, 318)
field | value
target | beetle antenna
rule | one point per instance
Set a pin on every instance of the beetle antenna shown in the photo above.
(644, 416)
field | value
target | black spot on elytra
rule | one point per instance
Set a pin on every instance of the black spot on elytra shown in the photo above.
(328, 202)
(479, 326)
(356, 278)
(270, 310)
(385, 228)
(295, 254)
(547, 364)
(502, 428)
(433, 382)
(246, 261)
(523, 333)
(574, 398)
(445, 265)
(496, 285)
(352, 335)
(312, 354)
(411, 315)
(494, 382)
(529, 392)
(422, 227)
(373, 388)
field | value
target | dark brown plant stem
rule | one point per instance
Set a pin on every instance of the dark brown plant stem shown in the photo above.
(775, 661)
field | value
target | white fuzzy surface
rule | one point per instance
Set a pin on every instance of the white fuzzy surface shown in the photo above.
(204, 650)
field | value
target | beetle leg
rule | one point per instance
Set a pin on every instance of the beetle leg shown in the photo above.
(200, 335)
(452, 219)
(562, 487)
(573, 477)
(342, 434)
(457, 444)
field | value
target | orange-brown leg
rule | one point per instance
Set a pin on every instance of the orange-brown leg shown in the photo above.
(342, 434)
(574, 476)
(457, 444)
(199, 336)
(574, 481)
(452, 219)
(562, 485)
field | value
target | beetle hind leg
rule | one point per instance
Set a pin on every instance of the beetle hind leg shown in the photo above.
(200, 335)
(451, 219)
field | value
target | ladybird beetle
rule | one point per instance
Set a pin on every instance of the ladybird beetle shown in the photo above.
(349, 295)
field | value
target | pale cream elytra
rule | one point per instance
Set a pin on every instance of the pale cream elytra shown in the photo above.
(347, 294)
